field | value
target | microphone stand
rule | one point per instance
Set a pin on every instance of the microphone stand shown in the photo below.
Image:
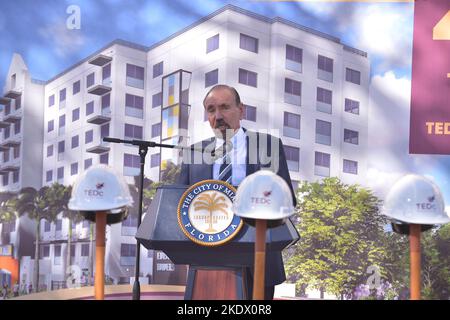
(143, 149)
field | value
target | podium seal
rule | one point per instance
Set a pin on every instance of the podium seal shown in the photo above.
(205, 213)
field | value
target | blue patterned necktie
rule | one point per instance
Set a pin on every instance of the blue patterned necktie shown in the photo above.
(225, 171)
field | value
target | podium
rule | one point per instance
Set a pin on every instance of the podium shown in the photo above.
(217, 272)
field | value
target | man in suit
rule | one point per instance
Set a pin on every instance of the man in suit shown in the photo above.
(246, 151)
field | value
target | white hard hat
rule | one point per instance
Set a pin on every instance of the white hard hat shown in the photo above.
(100, 188)
(417, 200)
(263, 195)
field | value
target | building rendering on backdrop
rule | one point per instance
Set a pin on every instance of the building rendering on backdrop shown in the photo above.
(300, 84)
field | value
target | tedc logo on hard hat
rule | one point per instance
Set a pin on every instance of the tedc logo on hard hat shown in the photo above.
(205, 213)
(262, 200)
(96, 193)
(427, 206)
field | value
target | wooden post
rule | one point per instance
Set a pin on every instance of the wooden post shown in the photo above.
(260, 260)
(414, 247)
(100, 226)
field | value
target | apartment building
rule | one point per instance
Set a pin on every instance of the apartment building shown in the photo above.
(300, 84)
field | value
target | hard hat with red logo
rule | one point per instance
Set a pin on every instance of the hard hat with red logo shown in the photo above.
(100, 188)
(263, 195)
(414, 199)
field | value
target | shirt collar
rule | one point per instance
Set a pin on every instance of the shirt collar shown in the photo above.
(236, 140)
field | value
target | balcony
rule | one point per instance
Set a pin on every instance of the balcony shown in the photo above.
(4, 101)
(10, 142)
(99, 147)
(12, 117)
(100, 60)
(99, 90)
(9, 167)
(11, 94)
(4, 124)
(103, 118)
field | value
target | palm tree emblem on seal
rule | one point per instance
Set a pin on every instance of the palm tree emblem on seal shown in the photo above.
(211, 203)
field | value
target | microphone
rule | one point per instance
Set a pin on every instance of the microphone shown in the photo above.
(108, 139)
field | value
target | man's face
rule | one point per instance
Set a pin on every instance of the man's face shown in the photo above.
(223, 112)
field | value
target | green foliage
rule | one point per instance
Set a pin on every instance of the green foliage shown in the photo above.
(340, 229)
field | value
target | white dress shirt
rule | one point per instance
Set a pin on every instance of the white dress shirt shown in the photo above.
(238, 155)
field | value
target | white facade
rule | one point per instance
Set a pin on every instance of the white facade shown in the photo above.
(41, 162)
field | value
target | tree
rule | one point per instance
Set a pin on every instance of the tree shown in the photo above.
(58, 197)
(340, 229)
(211, 204)
(35, 204)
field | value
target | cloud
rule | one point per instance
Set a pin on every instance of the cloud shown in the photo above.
(63, 40)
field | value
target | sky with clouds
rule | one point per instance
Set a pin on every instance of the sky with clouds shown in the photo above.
(37, 30)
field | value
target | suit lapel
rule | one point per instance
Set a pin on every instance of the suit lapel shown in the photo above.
(250, 168)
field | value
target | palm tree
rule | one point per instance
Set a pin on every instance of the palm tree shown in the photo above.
(7, 207)
(211, 203)
(34, 203)
(58, 197)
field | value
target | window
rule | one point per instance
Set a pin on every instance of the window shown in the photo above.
(75, 114)
(249, 113)
(158, 69)
(61, 146)
(350, 166)
(76, 87)
(90, 79)
(75, 142)
(88, 136)
(134, 106)
(7, 108)
(90, 108)
(51, 100)
(133, 132)
(87, 163)
(74, 168)
(292, 157)
(6, 155)
(62, 95)
(49, 175)
(352, 76)
(211, 78)
(248, 77)
(50, 126)
(325, 68)
(130, 221)
(156, 100)
(60, 173)
(351, 106)
(106, 103)
(45, 253)
(292, 91)
(85, 249)
(18, 103)
(131, 164)
(248, 43)
(46, 226)
(16, 176)
(57, 255)
(72, 246)
(322, 164)
(49, 150)
(17, 126)
(62, 124)
(104, 131)
(135, 76)
(106, 74)
(58, 225)
(294, 58)
(324, 100)
(128, 250)
(212, 43)
(104, 158)
(16, 151)
(156, 130)
(291, 127)
(5, 179)
(351, 136)
(323, 132)
(155, 160)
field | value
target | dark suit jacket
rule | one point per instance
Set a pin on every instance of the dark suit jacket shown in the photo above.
(192, 173)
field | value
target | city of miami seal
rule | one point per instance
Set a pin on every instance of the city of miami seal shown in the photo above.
(205, 213)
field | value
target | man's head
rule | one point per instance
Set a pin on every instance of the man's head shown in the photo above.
(224, 109)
